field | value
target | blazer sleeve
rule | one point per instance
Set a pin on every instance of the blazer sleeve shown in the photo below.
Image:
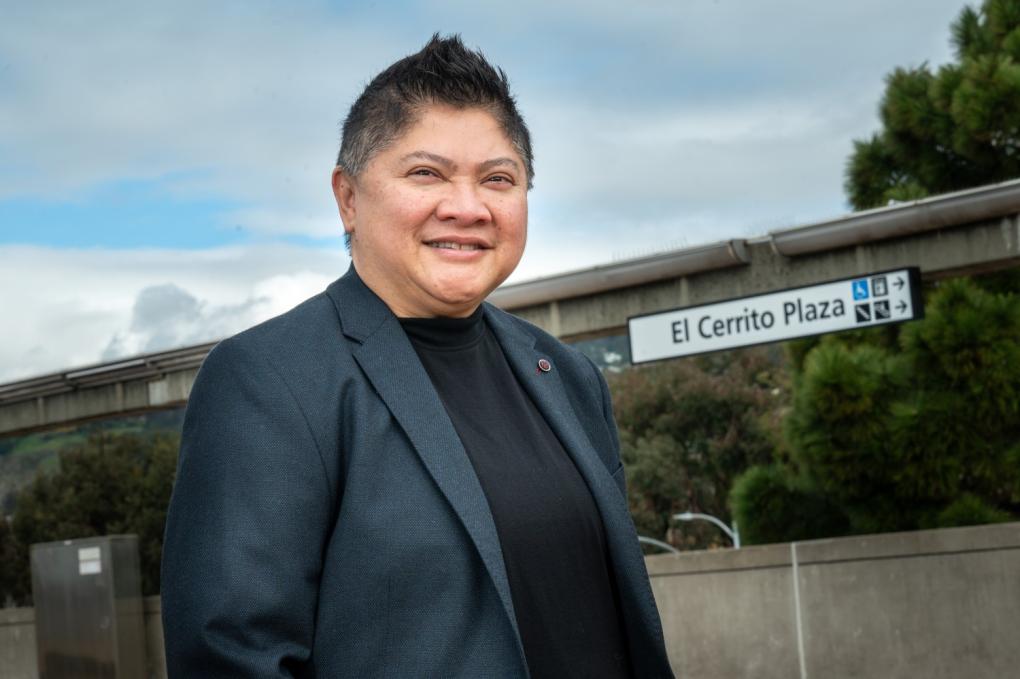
(246, 528)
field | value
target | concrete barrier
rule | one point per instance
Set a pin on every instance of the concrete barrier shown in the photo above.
(17, 642)
(937, 604)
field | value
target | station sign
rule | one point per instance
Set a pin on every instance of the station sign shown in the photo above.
(847, 304)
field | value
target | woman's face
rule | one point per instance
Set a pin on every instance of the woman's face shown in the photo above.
(438, 219)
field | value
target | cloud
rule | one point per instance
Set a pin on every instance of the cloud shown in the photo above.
(78, 307)
(234, 102)
(166, 316)
(654, 107)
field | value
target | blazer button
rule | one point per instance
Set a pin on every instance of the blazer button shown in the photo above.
(544, 365)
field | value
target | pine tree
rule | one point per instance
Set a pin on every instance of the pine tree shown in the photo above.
(952, 129)
(917, 431)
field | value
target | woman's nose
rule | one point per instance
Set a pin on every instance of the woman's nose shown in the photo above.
(463, 203)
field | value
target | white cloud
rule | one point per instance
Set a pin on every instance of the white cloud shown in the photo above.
(241, 102)
(76, 307)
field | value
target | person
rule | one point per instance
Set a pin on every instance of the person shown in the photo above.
(396, 479)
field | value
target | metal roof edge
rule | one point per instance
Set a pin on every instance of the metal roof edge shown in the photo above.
(627, 273)
(925, 214)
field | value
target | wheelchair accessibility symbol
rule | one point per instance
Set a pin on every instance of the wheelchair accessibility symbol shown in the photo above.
(860, 288)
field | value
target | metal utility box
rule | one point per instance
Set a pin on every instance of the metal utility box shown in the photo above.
(89, 621)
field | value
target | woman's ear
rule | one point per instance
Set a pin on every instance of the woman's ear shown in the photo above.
(344, 190)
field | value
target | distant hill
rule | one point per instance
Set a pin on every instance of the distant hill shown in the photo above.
(22, 457)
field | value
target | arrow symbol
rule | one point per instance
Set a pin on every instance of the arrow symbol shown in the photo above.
(901, 307)
(898, 283)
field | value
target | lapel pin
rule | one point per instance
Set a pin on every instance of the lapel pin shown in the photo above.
(544, 365)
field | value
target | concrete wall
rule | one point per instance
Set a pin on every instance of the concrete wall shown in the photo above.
(17, 642)
(124, 397)
(936, 604)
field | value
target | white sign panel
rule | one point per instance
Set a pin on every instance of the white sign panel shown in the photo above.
(90, 561)
(848, 304)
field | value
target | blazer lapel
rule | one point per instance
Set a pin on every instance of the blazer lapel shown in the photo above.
(549, 395)
(393, 367)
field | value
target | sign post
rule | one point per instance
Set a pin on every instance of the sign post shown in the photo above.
(847, 304)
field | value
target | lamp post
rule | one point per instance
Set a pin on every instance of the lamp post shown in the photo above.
(658, 543)
(733, 533)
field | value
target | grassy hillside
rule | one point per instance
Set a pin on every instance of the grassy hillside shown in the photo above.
(22, 457)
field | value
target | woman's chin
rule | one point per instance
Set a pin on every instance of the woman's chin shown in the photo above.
(461, 293)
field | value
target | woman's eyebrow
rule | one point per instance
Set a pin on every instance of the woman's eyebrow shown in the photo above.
(450, 165)
(496, 162)
(425, 155)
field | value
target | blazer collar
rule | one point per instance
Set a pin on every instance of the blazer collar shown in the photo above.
(361, 311)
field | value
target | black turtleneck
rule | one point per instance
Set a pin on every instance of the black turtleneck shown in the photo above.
(549, 527)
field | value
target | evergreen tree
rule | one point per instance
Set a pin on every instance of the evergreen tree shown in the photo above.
(918, 433)
(914, 426)
(951, 129)
(8, 564)
(114, 484)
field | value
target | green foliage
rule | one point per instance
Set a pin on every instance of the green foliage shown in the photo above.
(970, 510)
(687, 429)
(921, 432)
(113, 484)
(841, 410)
(8, 563)
(770, 506)
(22, 458)
(949, 130)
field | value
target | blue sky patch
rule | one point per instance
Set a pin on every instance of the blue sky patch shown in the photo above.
(127, 214)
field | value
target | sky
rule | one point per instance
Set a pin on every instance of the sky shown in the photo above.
(164, 167)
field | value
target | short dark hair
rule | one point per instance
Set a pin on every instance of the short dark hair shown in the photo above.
(443, 72)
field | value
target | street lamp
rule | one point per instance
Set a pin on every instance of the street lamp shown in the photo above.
(694, 516)
(658, 543)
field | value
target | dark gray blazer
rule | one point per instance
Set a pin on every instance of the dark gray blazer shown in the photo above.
(326, 521)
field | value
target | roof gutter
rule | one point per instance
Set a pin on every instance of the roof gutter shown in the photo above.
(621, 274)
(927, 214)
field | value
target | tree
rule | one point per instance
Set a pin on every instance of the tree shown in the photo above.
(8, 564)
(952, 129)
(914, 426)
(113, 484)
(772, 505)
(921, 431)
(687, 428)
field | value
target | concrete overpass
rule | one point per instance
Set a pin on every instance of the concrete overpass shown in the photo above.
(966, 232)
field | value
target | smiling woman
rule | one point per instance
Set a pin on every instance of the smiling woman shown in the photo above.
(395, 478)
(438, 219)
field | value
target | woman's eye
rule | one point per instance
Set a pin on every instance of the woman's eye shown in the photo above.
(500, 179)
(423, 172)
